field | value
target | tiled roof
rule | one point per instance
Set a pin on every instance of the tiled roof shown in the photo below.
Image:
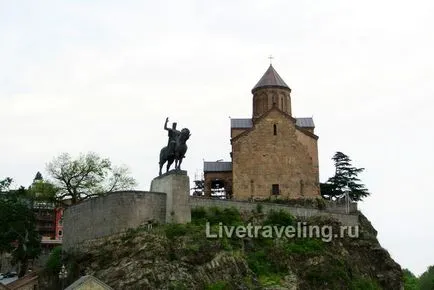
(247, 123)
(216, 166)
(28, 280)
(305, 122)
(241, 123)
(83, 281)
(270, 79)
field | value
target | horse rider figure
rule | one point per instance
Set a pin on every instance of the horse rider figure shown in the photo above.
(173, 137)
(176, 147)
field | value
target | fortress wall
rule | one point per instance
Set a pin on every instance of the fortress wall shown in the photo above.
(111, 214)
(119, 211)
(340, 206)
(345, 219)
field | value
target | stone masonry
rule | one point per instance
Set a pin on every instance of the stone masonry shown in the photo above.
(275, 151)
(176, 186)
(111, 214)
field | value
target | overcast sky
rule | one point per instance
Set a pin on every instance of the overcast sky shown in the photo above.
(79, 76)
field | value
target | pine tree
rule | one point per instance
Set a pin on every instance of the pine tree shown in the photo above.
(344, 180)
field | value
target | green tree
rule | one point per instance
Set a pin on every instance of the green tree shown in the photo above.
(344, 180)
(426, 280)
(87, 176)
(54, 261)
(410, 280)
(18, 234)
(42, 190)
(5, 184)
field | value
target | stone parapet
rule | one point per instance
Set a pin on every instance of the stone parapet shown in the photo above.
(301, 212)
(111, 214)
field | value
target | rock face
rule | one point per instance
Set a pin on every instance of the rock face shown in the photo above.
(181, 257)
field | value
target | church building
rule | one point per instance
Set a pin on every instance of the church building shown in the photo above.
(274, 154)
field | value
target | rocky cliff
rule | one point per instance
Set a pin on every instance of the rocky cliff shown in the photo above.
(182, 257)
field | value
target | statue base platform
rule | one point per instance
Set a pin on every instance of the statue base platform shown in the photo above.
(176, 185)
(173, 171)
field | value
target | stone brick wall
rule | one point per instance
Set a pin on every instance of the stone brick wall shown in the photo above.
(261, 159)
(111, 214)
(311, 145)
(337, 212)
(264, 99)
(236, 131)
(119, 211)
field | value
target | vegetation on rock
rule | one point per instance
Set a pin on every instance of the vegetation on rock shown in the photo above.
(410, 280)
(426, 280)
(179, 256)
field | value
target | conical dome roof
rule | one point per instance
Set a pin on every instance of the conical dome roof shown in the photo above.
(270, 79)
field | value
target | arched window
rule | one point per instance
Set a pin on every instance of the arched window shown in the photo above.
(275, 129)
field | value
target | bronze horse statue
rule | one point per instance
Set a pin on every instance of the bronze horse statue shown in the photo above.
(177, 153)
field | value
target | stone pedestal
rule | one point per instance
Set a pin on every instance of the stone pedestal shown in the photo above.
(176, 185)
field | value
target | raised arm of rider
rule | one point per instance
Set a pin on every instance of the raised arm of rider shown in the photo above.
(165, 124)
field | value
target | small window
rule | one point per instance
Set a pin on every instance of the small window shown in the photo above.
(275, 129)
(60, 233)
(275, 189)
(301, 187)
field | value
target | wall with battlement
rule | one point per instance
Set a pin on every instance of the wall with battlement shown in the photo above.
(111, 214)
(334, 211)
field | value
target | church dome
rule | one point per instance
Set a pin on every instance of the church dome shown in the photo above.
(270, 79)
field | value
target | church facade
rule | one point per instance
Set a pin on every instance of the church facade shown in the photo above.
(274, 155)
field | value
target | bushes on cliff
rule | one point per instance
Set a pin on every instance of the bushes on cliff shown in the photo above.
(189, 243)
(334, 273)
(198, 214)
(362, 283)
(426, 280)
(54, 261)
(279, 218)
(410, 280)
(304, 247)
(175, 230)
(220, 285)
(216, 215)
(261, 263)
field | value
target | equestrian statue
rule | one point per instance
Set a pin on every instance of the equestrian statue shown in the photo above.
(176, 147)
